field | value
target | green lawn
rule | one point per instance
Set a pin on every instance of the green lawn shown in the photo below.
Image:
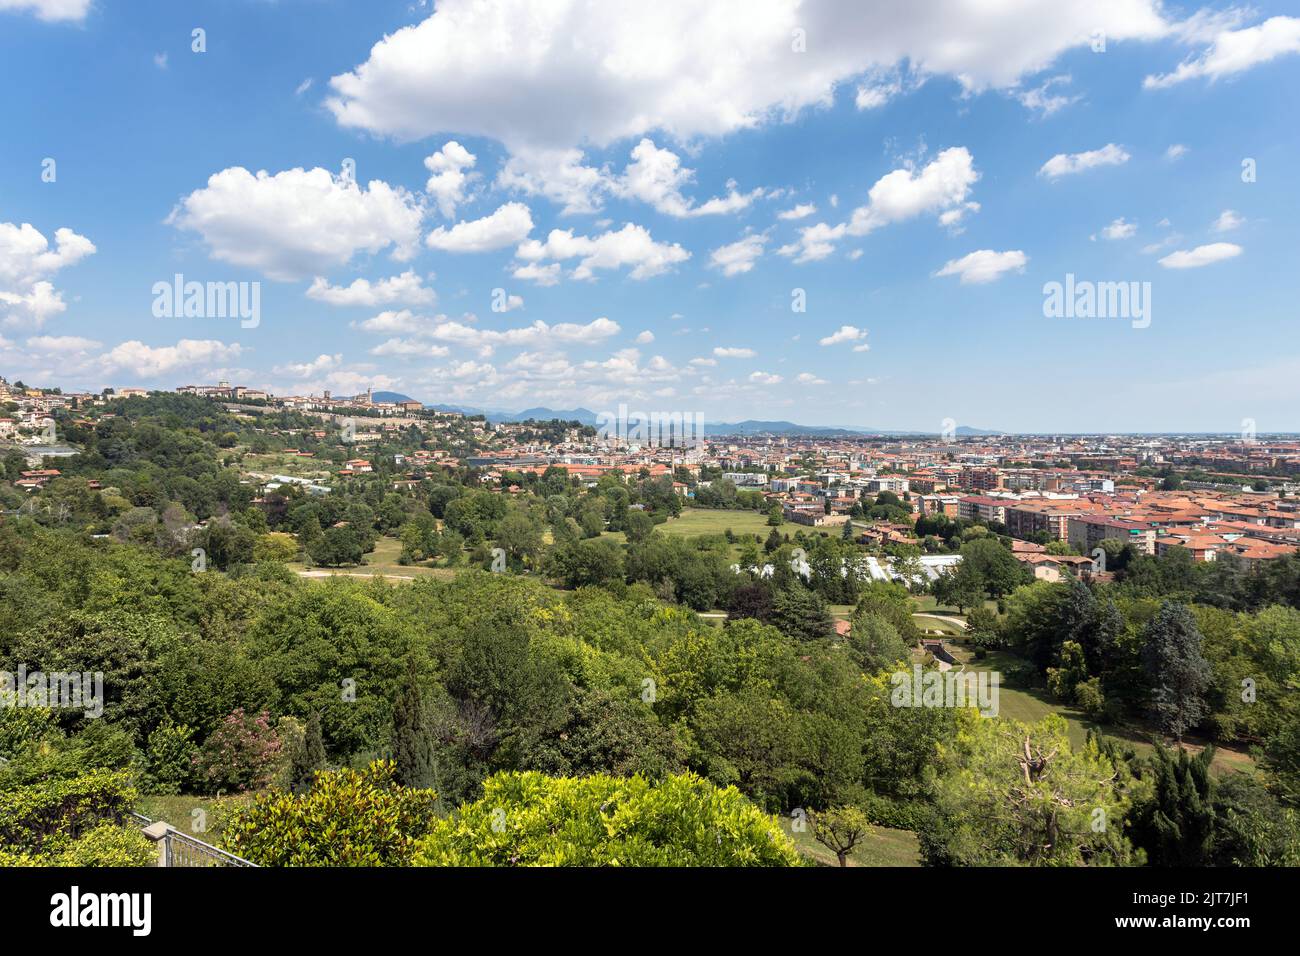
(200, 817)
(882, 847)
(382, 561)
(698, 521)
(278, 463)
(926, 602)
(934, 626)
(705, 521)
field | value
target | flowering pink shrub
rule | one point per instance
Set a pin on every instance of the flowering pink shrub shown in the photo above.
(241, 754)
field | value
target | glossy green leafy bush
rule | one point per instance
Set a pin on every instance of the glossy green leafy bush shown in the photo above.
(528, 819)
(107, 845)
(46, 817)
(347, 818)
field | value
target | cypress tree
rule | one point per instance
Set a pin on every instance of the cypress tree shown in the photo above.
(412, 743)
(308, 757)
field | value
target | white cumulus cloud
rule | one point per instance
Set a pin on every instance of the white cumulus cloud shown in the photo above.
(510, 224)
(448, 178)
(1119, 229)
(738, 257)
(984, 265)
(941, 188)
(298, 222)
(1228, 220)
(568, 72)
(49, 10)
(656, 176)
(27, 297)
(630, 246)
(146, 361)
(801, 211)
(845, 333)
(405, 289)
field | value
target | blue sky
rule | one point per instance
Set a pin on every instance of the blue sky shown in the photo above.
(632, 197)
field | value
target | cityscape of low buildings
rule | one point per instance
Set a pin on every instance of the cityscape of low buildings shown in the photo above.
(1082, 491)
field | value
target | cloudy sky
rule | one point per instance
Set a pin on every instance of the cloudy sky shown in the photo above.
(825, 211)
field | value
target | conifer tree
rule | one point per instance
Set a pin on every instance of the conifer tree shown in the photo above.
(308, 756)
(1178, 674)
(1177, 826)
(412, 742)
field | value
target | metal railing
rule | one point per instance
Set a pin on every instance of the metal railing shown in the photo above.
(180, 849)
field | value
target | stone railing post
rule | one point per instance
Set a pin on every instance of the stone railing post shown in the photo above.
(158, 833)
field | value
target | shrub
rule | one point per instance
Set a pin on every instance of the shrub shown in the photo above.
(528, 819)
(109, 845)
(169, 758)
(275, 546)
(895, 814)
(1088, 695)
(46, 817)
(348, 818)
(241, 754)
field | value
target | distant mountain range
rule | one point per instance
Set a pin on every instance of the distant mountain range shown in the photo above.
(748, 428)
(751, 428)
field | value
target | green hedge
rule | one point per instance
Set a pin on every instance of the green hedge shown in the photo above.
(47, 817)
(106, 845)
(896, 814)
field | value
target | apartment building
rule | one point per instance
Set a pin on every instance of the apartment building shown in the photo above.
(1087, 532)
(981, 507)
(892, 483)
(949, 505)
(980, 479)
(1024, 519)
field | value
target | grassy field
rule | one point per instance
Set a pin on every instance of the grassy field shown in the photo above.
(382, 561)
(934, 626)
(698, 521)
(201, 817)
(278, 463)
(882, 847)
(704, 521)
(926, 602)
